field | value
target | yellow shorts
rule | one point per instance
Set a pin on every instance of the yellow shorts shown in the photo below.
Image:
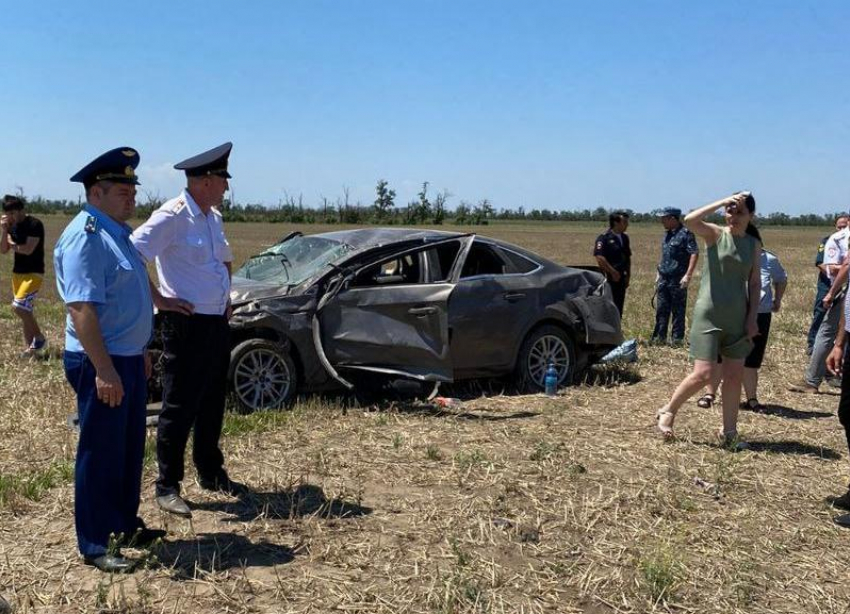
(25, 287)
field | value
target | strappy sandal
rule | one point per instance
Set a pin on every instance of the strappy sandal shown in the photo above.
(666, 430)
(753, 405)
(706, 400)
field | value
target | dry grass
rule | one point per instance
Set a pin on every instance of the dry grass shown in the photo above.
(509, 504)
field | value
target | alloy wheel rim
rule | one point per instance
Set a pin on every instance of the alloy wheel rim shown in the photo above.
(548, 349)
(262, 379)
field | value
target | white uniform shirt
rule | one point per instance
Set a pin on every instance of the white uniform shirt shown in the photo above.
(772, 272)
(190, 251)
(835, 249)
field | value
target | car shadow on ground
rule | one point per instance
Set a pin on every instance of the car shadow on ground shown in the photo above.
(611, 374)
(427, 409)
(797, 448)
(305, 500)
(213, 552)
(371, 391)
(793, 414)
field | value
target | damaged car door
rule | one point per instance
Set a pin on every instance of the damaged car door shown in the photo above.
(391, 316)
(495, 302)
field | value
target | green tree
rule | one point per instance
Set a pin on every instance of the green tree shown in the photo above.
(384, 201)
(440, 207)
(422, 208)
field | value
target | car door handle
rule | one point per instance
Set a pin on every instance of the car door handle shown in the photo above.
(513, 296)
(421, 312)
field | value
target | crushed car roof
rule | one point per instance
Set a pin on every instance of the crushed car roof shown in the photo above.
(360, 238)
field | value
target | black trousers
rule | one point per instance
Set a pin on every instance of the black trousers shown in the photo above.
(844, 403)
(618, 293)
(196, 353)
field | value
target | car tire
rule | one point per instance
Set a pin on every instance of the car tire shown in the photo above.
(542, 345)
(262, 375)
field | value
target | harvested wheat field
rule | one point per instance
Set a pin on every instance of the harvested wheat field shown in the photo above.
(506, 504)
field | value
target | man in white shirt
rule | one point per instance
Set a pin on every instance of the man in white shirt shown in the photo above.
(835, 251)
(185, 237)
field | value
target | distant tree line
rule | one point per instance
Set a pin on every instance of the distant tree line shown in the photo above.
(426, 209)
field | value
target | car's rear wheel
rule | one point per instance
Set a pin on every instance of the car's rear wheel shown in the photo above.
(262, 375)
(544, 345)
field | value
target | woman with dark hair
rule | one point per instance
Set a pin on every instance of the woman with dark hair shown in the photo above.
(724, 317)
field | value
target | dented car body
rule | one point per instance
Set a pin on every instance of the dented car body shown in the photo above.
(341, 308)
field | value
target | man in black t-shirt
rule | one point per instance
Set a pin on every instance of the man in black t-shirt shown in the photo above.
(23, 235)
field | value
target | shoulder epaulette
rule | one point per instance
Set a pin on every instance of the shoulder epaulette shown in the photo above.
(179, 205)
(91, 224)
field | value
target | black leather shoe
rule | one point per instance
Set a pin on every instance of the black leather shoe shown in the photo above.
(143, 537)
(111, 563)
(842, 502)
(221, 483)
(174, 504)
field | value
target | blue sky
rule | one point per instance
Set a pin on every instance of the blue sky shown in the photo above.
(560, 105)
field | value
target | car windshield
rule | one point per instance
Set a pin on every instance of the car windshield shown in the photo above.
(293, 261)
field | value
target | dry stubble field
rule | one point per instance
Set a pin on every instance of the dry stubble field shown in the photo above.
(509, 504)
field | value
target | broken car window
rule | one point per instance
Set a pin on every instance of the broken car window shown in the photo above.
(294, 261)
(430, 265)
(404, 269)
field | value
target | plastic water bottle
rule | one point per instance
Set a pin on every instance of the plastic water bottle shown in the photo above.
(550, 381)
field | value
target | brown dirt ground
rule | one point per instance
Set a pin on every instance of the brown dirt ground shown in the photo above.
(508, 504)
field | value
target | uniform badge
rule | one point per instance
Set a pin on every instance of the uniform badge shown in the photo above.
(599, 245)
(91, 224)
(831, 252)
(179, 205)
(128, 152)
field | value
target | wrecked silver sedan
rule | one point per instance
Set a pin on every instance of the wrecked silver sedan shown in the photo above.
(348, 308)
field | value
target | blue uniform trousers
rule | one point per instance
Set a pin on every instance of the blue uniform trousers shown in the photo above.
(108, 474)
(670, 299)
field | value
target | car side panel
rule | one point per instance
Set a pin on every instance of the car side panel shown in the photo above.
(488, 317)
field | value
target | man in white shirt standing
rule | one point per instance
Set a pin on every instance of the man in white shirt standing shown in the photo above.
(835, 251)
(193, 260)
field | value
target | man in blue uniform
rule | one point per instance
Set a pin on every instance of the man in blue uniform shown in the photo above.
(614, 255)
(185, 237)
(105, 287)
(679, 254)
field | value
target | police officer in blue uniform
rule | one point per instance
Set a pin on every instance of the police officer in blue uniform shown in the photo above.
(185, 237)
(613, 254)
(679, 254)
(105, 287)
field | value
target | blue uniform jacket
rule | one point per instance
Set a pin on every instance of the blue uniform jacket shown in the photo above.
(96, 263)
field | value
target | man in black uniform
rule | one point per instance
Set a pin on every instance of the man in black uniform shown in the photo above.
(23, 235)
(614, 256)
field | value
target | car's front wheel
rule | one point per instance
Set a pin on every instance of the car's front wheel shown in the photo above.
(545, 345)
(262, 375)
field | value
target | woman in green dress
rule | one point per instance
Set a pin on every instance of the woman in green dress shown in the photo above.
(724, 317)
